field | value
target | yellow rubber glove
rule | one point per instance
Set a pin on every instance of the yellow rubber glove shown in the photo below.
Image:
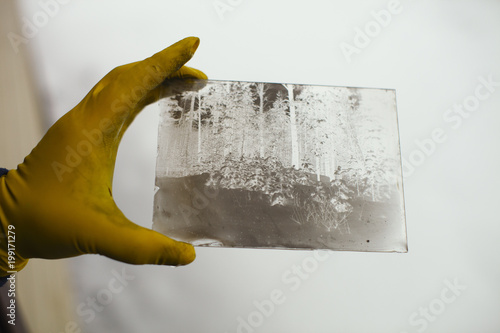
(58, 203)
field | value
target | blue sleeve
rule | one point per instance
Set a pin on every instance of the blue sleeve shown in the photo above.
(3, 171)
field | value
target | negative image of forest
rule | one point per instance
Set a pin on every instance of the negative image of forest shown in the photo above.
(321, 159)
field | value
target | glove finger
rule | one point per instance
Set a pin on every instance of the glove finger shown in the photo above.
(127, 242)
(185, 79)
(134, 82)
(183, 73)
(186, 72)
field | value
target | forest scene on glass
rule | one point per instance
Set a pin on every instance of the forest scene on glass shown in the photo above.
(265, 165)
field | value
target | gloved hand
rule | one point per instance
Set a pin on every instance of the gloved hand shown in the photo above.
(59, 202)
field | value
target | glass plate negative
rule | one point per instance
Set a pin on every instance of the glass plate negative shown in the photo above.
(271, 165)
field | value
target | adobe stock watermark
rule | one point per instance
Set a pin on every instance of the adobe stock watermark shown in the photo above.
(371, 30)
(200, 201)
(429, 313)
(454, 117)
(31, 26)
(222, 7)
(292, 278)
(104, 297)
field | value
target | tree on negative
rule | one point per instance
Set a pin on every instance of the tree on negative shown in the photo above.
(310, 117)
(199, 127)
(215, 99)
(293, 126)
(371, 131)
(186, 122)
(277, 129)
(261, 91)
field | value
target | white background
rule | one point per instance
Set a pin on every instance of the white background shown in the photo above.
(431, 52)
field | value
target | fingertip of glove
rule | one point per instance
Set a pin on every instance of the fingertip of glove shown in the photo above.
(188, 45)
(187, 254)
(189, 72)
(202, 75)
(195, 43)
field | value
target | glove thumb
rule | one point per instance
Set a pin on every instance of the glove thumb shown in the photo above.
(127, 242)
